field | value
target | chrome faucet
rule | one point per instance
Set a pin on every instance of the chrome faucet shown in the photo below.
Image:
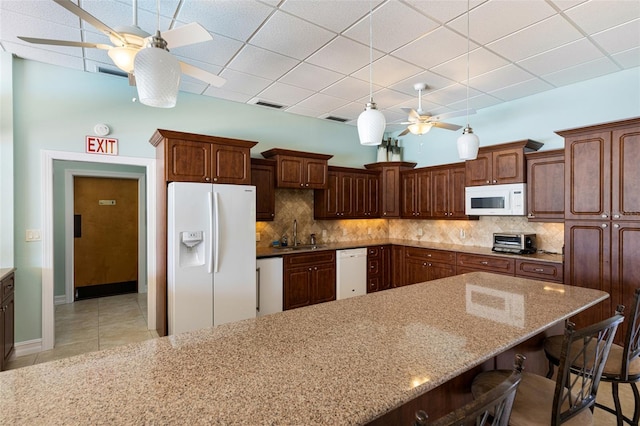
(295, 232)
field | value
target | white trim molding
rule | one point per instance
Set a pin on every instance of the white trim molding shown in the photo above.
(27, 347)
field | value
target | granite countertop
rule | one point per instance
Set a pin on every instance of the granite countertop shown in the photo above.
(271, 252)
(336, 363)
(5, 272)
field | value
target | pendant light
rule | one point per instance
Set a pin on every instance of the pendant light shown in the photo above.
(468, 143)
(371, 122)
(157, 72)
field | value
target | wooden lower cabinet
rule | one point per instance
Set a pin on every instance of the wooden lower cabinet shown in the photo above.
(425, 264)
(7, 316)
(309, 278)
(378, 268)
(467, 262)
(397, 269)
(545, 271)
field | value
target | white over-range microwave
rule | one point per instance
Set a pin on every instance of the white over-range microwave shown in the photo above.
(496, 200)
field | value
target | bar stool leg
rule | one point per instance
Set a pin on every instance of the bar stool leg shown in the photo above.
(616, 402)
(636, 398)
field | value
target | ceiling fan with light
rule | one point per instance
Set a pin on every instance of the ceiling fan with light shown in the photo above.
(420, 123)
(127, 41)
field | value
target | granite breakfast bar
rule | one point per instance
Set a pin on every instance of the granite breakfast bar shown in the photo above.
(344, 362)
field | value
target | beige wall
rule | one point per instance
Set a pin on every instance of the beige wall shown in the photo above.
(298, 204)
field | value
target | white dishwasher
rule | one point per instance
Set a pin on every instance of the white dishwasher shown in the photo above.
(351, 273)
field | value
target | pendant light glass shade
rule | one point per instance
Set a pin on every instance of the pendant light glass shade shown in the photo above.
(420, 128)
(123, 57)
(371, 124)
(468, 144)
(157, 75)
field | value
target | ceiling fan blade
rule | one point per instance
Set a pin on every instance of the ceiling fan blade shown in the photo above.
(202, 75)
(64, 43)
(187, 34)
(446, 125)
(404, 132)
(413, 115)
(89, 18)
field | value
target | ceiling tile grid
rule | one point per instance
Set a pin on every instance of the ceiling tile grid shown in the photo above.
(312, 57)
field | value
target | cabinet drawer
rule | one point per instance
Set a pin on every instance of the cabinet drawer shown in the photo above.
(7, 286)
(373, 252)
(430, 255)
(468, 262)
(312, 259)
(540, 270)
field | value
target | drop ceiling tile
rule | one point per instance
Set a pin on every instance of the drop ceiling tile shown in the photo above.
(443, 11)
(620, 38)
(452, 94)
(243, 83)
(584, 71)
(13, 25)
(291, 36)
(322, 102)
(505, 76)
(192, 86)
(520, 90)
(566, 4)
(311, 77)
(343, 55)
(351, 111)
(335, 15)
(117, 14)
(537, 38)
(629, 58)
(263, 63)
(43, 10)
(480, 61)
(386, 98)
(433, 81)
(495, 19)
(224, 93)
(284, 94)
(388, 34)
(393, 116)
(218, 51)
(566, 56)
(428, 107)
(234, 19)
(440, 45)
(387, 71)
(596, 15)
(349, 88)
(477, 102)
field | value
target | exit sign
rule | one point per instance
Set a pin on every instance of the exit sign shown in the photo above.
(104, 146)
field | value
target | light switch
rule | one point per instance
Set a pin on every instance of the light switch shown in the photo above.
(33, 235)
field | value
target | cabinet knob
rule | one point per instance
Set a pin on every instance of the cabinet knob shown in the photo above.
(207, 179)
(273, 214)
(429, 255)
(488, 182)
(616, 216)
(302, 184)
(306, 184)
(531, 215)
(604, 215)
(615, 225)
(538, 269)
(215, 179)
(484, 262)
(495, 181)
(315, 269)
(384, 213)
(604, 225)
(418, 214)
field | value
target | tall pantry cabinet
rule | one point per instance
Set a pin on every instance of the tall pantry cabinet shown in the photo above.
(602, 213)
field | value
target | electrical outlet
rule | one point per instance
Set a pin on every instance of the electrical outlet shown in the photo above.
(324, 234)
(420, 232)
(368, 231)
(344, 232)
(462, 233)
(33, 235)
(257, 236)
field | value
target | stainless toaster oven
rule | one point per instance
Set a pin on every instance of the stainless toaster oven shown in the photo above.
(514, 243)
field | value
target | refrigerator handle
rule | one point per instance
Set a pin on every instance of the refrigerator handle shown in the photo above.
(210, 260)
(258, 289)
(216, 218)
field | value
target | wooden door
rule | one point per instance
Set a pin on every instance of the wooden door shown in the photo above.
(323, 283)
(297, 287)
(315, 173)
(440, 270)
(345, 195)
(508, 166)
(290, 171)
(456, 191)
(588, 264)
(373, 203)
(263, 178)
(397, 268)
(479, 171)
(106, 238)
(415, 271)
(408, 198)
(188, 161)
(231, 164)
(360, 196)
(545, 188)
(423, 194)
(588, 176)
(385, 267)
(625, 195)
(625, 268)
(390, 190)
(440, 196)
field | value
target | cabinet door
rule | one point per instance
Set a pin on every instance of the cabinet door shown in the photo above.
(408, 199)
(588, 176)
(625, 268)
(625, 202)
(231, 164)
(372, 200)
(325, 204)
(508, 166)
(8, 326)
(587, 264)
(423, 194)
(346, 195)
(290, 172)
(385, 267)
(391, 197)
(323, 285)
(360, 193)
(315, 176)
(415, 271)
(263, 178)
(188, 161)
(397, 268)
(467, 262)
(545, 188)
(545, 271)
(297, 287)
(440, 270)
(456, 191)
(440, 194)
(479, 171)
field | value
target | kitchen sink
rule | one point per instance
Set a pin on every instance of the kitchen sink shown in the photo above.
(300, 247)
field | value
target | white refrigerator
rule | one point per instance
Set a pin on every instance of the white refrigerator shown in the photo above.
(211, 255)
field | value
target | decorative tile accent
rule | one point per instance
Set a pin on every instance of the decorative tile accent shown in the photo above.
(298, 204)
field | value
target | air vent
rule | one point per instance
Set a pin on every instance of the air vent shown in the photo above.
(110, 71)
(269, 105)
(338, 119)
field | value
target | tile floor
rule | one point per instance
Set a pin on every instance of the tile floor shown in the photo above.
(94, 324)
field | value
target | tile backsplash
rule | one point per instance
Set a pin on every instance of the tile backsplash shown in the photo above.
(298, 204)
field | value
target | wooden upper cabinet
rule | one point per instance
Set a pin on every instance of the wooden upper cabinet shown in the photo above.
(500, 164)
(297, 169)
(350, 194)
(190, 157)
(389, 195)
(545, 186)
(263, 177)
(447, 195)
(416, 193)
(602, 173)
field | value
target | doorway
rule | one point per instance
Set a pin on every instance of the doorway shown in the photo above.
(105, 236)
